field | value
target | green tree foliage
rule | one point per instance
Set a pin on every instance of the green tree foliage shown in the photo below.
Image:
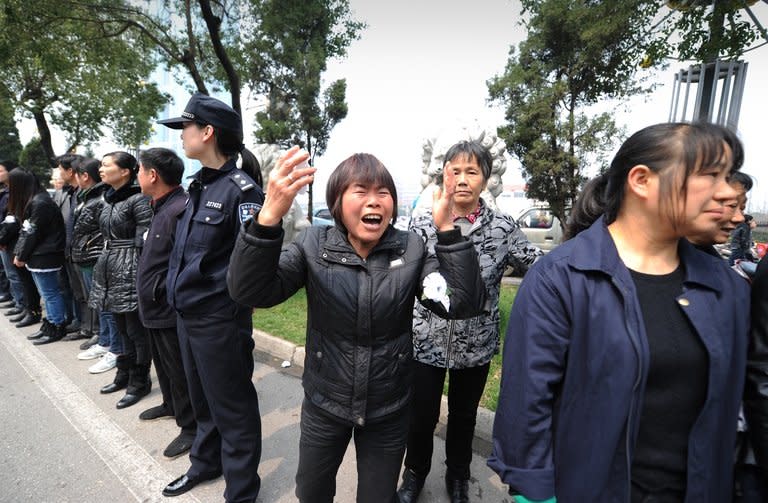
(576, 53)
(201, 37)
(700, 30)
(290, 47)
(34, 158)
(10, 145)
(579, 52)
(79, 76)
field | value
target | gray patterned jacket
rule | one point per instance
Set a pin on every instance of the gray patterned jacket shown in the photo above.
(458, 344)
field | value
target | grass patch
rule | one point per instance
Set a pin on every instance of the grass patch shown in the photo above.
(289, 321)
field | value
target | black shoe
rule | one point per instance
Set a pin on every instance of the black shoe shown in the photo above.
(155, 412)
(8, 304)
(185, 483)
(43, 330)
(73, 326)
(76, 336)
(5, 297)
(17, 318)
(55, 333)
(113, 387)
(132, 398)
(179, 445)
(120, 382)
(90, 342)
(29, 320)
(411, 487)
(13, 311)
(458, 490)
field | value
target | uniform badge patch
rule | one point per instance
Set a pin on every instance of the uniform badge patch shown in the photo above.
(247, 210)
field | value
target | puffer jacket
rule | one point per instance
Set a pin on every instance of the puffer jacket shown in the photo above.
(459, 344)
(124, 220)
(360, 311)
(41, 239)
(87, 242)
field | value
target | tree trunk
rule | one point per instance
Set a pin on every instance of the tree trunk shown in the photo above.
(45, 136)
(214, 24)
(189, 58)
(311, 185)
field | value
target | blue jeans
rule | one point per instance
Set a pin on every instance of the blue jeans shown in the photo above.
(47, 284)
(108, 336)
(17, 287)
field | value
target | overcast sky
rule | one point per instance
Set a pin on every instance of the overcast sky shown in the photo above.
(422, 65)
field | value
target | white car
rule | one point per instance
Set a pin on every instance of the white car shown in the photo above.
(541, 227)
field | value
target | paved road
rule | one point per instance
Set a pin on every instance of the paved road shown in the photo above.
(61, 441)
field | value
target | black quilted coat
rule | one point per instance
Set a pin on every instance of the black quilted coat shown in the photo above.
(87, 241)
(359, 347)
(124, 220)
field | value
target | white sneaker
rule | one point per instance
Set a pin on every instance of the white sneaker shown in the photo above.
(93, 352)
(106, 362)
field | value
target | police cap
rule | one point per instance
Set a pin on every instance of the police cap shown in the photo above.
(206, 110)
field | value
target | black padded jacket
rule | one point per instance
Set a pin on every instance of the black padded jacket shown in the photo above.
(87, 242)
(123, 221)
(359, 311)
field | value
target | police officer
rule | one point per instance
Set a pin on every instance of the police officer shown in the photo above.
(215, 333)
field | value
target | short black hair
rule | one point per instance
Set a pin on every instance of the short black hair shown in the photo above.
(91, 167)
(69, 161)
(364, 169)
(742, 178)
(472, 149)
(168, 165)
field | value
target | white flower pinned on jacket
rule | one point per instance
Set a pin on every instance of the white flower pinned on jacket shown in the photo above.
(436, 289)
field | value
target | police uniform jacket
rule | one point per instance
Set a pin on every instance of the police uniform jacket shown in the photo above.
(154, 310)
(123, 221)
(87, 242)
(359, 311)
(41, 239)
(219, 201)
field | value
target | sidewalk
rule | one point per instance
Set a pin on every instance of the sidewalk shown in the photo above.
(65, 441)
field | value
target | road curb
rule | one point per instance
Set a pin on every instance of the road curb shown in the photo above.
(289, 358)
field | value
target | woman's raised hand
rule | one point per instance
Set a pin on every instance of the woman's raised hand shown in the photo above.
(288, 177)
(442, 200)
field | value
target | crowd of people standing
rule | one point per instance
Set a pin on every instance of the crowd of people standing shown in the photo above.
(625, 359)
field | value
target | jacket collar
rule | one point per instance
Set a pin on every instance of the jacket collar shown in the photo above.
(337, 241)
(113, 196)
(208, 175)
(699, 267)
(158, 203)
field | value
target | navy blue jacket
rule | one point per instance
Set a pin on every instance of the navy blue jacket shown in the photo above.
(575, 367)
(152, 272)
(219, 201)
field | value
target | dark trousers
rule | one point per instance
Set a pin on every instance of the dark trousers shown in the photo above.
(31, 295)
(166, 355)
(89, 317)
(379, 446)
(751, 485)
(134, 338)
(217, 350)
(72, 308)
(465, 388)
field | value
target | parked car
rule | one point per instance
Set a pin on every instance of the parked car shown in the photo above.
(541, 227)
(322, 216)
